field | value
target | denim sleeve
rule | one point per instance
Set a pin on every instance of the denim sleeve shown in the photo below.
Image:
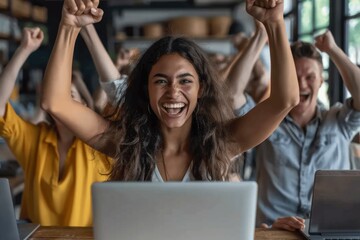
(250, 103)
(349, 119)
(115, 89)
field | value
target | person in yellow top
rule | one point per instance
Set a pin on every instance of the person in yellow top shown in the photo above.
(58, 168)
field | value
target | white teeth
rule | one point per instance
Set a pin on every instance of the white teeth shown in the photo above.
(304, 93)
(174, 105)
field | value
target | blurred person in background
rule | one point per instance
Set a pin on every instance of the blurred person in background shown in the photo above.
(58, 168)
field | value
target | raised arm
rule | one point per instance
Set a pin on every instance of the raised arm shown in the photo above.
(56, 98)
(264, 118)
(31, 41)
(104, 65)
(241, 70)
(240, 40)
(110, 79)
(78, 80)
(349, 72)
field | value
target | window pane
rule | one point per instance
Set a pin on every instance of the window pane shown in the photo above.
(323, 93)
(353, 27)
(322, 13)
(325, 61)
(353, 7)
(289, 24)
(288, 6)
(306, 21)
(306, 38)
(320, 31)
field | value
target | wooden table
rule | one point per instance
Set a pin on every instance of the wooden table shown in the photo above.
(68, 233)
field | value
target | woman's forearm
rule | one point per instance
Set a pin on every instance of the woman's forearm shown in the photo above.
(284, 84)
(57, 78)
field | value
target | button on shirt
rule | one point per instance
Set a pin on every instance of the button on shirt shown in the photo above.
(286, 162)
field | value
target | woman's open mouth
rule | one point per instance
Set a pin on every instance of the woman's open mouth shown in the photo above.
(173, 109)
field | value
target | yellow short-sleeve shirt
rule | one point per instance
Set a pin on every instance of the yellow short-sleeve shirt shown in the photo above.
(46, 199)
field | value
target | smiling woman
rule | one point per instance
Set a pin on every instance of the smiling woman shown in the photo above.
(174, 89)
(173, 121)
(173, 116)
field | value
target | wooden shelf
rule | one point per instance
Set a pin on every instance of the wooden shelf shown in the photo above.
(9, 38)
(209, 44)
(4, 36)
(162, 4)
(4, 5)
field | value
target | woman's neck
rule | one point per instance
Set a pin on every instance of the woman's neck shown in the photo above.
(174, 158)
(176, 140)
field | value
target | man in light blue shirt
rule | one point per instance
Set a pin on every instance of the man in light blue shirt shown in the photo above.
(309, 138)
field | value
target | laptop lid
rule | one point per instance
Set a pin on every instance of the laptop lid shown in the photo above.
(162, 211)
(8, 225)
(335, 205)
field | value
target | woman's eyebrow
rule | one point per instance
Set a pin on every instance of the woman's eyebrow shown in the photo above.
(184, 75)
(160, 75)
(178, 76)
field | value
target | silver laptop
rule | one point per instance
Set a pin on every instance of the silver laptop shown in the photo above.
(9, 228)
(163, 211)
(335, 209)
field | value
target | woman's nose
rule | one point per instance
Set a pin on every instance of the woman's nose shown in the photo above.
(173, 89)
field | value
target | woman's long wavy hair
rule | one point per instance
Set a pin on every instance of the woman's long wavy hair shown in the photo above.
(134, 133)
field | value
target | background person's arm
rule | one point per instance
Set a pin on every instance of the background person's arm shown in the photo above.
(31, 41)
(349, 72)
(111, 80)
(104, 65)
(241, 70)
(78, 80)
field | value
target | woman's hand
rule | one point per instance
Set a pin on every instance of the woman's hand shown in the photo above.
(266, 10)
(79, 13)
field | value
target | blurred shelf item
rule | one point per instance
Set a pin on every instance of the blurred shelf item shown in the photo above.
(189, 26)
(21, 8)
(4, 36)
(40, 14)
(4, 4)
(153, 30)
(219, 25)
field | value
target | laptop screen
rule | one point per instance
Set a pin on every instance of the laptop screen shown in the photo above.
(176, 211)
(9, 229)
(336, 202)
